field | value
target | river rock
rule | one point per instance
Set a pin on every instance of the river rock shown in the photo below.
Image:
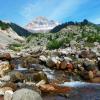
(81, 68)
(67, 59)
(87, 75)
(8, 95)
(1, 97)
(29, 85)
(98, 64)
(98, 74)
(40, 83)
(51, 62)
(4, 89)
(40, 76)
(88, 65)
(4, 67)
(36, 67)
(87, 54)
(43, 58)
(5, 78)
(96, 80)
(5, 56)
(11, 85)
(91, 75)
(63, 52)
(47, 88)
(58, 65)
(63, 65)
(26, 94)
(16, 76)
(27, 61)
(69, 66)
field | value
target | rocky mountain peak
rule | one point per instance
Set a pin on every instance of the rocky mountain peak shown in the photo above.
(41, 24)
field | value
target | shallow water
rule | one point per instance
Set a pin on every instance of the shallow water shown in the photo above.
(81, 91)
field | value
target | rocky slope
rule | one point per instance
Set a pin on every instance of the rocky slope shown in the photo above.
(10, 32)
(41, 24)
(84, 32)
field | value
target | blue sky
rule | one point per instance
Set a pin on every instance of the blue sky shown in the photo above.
(23, 11)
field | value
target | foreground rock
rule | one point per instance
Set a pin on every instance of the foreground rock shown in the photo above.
(95, 80)
(26, 94)
(5, 56)
(4, 67)
(47, 88)
(4, 89)
(11, 85)
(8, 95)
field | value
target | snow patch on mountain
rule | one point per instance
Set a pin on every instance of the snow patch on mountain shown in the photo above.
(41, 24)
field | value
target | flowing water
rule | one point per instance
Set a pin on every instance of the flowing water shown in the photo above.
(81, 90)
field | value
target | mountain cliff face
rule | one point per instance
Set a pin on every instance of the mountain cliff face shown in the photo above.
(10, 32)
(41, 24)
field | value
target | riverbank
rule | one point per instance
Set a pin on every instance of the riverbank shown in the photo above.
(54, 74)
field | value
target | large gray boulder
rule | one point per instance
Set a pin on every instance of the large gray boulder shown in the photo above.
(26, 94)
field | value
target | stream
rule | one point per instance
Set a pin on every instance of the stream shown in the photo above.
(81, 90)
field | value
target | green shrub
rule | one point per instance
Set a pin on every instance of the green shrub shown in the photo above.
(3, 25)
(15, 46)
(54, 44)
(29, 38)
(93, 38)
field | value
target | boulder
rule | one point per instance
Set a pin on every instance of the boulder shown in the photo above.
(26, 94)
(4, 67)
